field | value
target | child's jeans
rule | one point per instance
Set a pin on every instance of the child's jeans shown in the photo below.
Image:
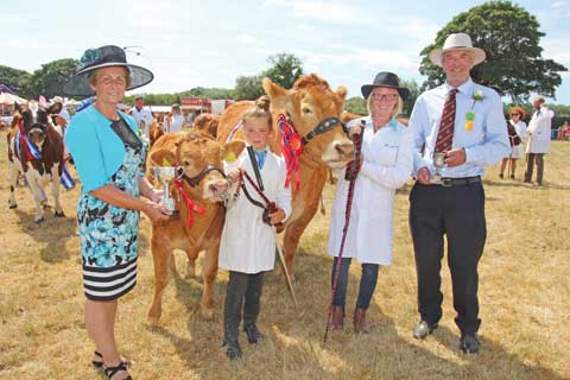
(243, 288)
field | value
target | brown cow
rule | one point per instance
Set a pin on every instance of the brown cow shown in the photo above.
(207, 123)
(200, 157)
(308, 103)
(36, 128)
(155, 131)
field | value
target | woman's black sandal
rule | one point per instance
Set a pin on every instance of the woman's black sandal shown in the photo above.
(98, 364)
(112, 371)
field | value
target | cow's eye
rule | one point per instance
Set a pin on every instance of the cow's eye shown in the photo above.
(187, 162)
(307, 110)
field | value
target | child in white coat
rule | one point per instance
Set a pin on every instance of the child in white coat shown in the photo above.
(247, 247)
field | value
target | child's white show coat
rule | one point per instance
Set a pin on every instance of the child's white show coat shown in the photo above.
(248, 244)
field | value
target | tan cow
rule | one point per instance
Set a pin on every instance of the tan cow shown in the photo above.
(155, 131)
(207, 123)
(203, 182)
(308, 103)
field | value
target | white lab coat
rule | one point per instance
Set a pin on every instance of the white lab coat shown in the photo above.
(247, 244)
(388, 163)
(539, 131)
(175, 123)
(144, 119)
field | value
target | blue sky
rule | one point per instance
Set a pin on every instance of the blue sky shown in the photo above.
(210, 43)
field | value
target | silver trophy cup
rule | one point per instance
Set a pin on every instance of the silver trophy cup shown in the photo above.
(165, 175)
(439, 163)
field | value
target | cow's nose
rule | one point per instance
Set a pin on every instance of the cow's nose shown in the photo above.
(346, 148)
(219, 187)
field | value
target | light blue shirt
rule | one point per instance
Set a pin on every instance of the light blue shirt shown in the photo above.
(97, 151)
(486, 143)
(260, 155)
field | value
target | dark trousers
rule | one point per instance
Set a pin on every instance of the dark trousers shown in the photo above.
(458, 213)
(530, 159)
(368, 281)
(243, 289)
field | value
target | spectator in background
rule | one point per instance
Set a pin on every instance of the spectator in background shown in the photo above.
(564, 131)
(516, 128)
(175, 121)
(143, 116)
(539, 140)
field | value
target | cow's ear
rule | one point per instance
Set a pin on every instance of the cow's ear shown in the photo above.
(55, 108)
(279, 96)
(163, 157)
(232, 150)
(341, 91)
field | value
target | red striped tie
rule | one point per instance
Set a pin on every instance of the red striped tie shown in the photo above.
(445, 134)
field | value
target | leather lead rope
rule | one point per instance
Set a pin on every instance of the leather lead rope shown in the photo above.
(352, 169)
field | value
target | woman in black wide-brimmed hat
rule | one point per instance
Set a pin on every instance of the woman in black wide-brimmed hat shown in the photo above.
(109, 156)
(387, 161)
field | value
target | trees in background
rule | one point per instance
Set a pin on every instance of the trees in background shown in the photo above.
(510, 36)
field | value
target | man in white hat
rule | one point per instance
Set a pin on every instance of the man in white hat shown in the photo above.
(538, 144)
(459, 129)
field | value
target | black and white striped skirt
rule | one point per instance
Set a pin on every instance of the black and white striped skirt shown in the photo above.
(107, 284)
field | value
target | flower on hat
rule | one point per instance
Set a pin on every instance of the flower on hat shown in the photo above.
(89, 57)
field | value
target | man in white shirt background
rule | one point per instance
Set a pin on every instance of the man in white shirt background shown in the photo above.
(539, 140)
(143, 116)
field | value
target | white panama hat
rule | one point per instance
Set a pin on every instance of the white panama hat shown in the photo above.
(457, 41)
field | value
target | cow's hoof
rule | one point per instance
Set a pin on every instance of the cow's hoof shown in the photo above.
(39, 221)
(59, 214)
(13, 206)
(207, 313)
(153, 321)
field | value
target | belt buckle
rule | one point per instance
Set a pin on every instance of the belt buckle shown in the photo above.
(446, 182)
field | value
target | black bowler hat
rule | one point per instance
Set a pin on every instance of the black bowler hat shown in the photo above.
(104, 56)
(385, 79)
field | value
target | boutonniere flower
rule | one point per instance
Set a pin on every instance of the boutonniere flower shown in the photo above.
(470, 115)
(477, 96)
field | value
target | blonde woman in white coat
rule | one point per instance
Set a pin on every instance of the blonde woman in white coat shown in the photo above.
(387, 161)
(247, 247)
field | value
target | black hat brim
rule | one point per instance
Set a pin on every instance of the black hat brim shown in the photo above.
(367, 89)
(78, 84)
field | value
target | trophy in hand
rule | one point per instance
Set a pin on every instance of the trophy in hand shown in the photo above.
(165, 175)
(439, 163)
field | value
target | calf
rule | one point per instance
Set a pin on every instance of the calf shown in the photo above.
(199, 192)
(35, 149)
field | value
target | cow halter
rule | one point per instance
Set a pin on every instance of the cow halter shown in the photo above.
(195, 181)
(324, 126)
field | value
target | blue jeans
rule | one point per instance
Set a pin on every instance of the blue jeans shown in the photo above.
(368, 282)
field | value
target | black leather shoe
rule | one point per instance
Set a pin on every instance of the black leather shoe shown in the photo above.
(254, 336)
(423, 329)
(469, 344)
(233, 350)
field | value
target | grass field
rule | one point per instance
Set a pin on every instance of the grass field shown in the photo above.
(524, 296)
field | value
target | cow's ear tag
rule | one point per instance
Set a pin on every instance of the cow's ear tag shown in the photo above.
(166, 162)
(230, 156)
